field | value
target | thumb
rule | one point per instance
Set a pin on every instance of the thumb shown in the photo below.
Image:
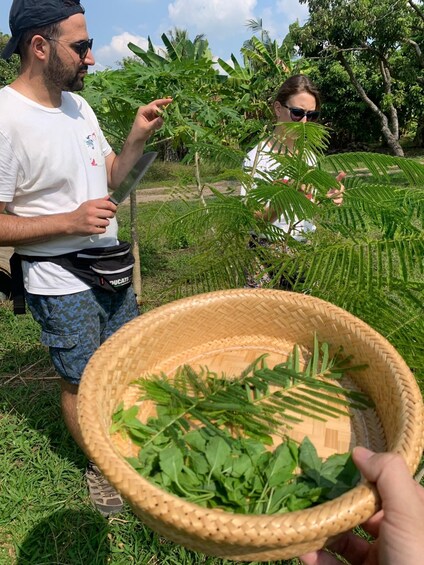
(340, 176)
(389, 472)
(156, 123)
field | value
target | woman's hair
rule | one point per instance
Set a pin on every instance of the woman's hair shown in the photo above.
(295, 85)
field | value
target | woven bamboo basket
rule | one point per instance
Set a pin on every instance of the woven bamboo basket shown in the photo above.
(225, 331)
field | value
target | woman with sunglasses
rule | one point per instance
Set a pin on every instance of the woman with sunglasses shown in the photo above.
(297, 100)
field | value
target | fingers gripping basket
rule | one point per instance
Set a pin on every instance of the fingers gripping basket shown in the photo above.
(225, 331)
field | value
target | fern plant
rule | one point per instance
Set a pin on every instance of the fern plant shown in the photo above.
(258, 403)
(364, 256)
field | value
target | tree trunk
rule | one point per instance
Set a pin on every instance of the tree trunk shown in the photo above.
(135, 248)
(389, 134)
(387, 80)
(197, 173)
(419, 134)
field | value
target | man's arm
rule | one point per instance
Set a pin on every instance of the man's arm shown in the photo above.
(147, 121)
(91, 217)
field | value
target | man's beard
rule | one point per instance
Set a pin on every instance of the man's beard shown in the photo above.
(56, 75)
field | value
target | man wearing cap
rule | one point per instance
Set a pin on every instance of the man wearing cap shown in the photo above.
(55, 170)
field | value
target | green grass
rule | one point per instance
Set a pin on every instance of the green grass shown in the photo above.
(171, 174)
(20, 349)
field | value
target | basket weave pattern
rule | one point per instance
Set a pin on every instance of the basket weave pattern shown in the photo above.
(225, 331)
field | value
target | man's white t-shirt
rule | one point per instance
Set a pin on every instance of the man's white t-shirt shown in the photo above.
(262, 157)
(51, 161)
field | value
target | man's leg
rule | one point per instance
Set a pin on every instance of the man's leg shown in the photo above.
(69, 398)
(103, 495)
(118, 308)
(72, 326)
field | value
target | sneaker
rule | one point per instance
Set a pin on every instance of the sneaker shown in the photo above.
(103, 496)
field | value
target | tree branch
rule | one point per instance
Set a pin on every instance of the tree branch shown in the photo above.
(417, 9)
(387, 82)
(389, 135)
(418, 51)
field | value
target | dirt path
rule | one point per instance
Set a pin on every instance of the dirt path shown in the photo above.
(5, 281)
(5, 253)
(166, 193)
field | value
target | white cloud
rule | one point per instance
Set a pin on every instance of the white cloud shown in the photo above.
(214, 18)
(292, 10)
(110, 55)
(271, 23)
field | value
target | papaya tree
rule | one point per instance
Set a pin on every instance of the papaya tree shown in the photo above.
(203, 120)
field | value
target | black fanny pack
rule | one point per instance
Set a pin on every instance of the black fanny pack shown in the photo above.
(108, 268)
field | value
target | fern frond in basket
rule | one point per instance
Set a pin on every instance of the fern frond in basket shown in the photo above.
(258, 403)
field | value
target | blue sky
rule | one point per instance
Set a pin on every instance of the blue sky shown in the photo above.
(113, 24)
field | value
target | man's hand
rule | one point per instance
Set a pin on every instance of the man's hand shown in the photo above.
(397, 527)
(148, 119)
(91, 217)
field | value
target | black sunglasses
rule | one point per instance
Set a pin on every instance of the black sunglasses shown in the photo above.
(297, 114)
(80, 47)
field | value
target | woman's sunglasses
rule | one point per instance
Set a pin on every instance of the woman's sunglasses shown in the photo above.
(297, 114)
(80, 47)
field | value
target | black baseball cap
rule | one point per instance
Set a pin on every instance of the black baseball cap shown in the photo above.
(32, 14)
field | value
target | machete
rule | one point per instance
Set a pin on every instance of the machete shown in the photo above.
(133, 178)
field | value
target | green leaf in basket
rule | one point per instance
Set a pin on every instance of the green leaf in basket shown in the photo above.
(148, 459)
(190, 480)
(253, 448)
(165, 481)
(303, 497)
(117, 419)
(236, 492)
(262, 461)
(160, 440)
(344, 477)
(217, 451)
(257, 485)
(123, 419)
(281, 466)
(334, 465)
(294, 449)
(277, 501)
(171, 462)
(349, 474)
(199, 463)
(309, 461)
(196, 440)
(241, 465)
(138, 436)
